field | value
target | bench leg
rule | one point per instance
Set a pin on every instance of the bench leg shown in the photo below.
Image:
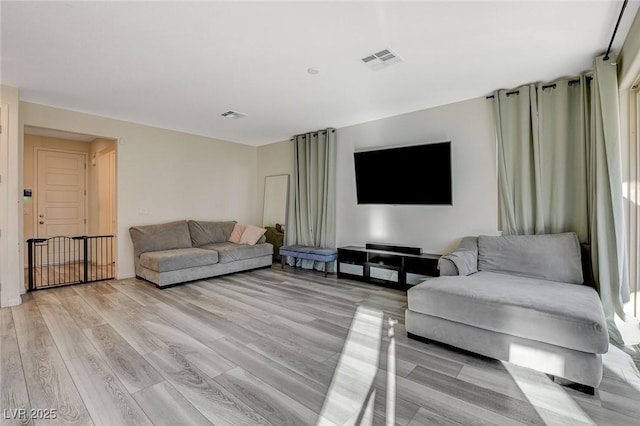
(282, 262)
(325, 269)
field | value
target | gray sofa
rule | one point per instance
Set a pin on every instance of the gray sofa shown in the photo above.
(177, 252)
(519, 299)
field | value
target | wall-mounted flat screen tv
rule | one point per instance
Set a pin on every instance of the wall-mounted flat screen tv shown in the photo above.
(416, 175)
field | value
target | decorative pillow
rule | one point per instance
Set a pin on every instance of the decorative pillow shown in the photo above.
(251, 235)
(236, 234)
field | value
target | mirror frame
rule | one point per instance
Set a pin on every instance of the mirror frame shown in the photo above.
(264, 199)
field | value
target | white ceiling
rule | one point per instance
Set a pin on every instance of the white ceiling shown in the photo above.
(179, 65)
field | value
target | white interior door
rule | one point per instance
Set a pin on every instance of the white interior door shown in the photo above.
(61, 196)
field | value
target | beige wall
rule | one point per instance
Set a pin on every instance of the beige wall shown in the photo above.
(275, 159)
(31, 142)
(469, 125)
(164, 175)
(11, 277)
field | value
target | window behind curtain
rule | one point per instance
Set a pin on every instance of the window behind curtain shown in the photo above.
(632, 195)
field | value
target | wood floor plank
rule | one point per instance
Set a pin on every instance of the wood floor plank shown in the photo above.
(450, 407)
(296, 386)
(273, 405)
(273, 308)
(500, 382)
(193, 326)
(70, 340)
(428, 418)
(129, 366)
(477, 395)
(165, 406)
(264, 347)
(308, 367)
(31, 330)
(552, 402)
(13, 387)
(136, 291)
(106, 398)
(217, 404)
(219, 323)
(83, 314)
(132, 330)
(51, 387)
(196, 352)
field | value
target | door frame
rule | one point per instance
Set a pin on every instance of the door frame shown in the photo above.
(36, 190)
(110, 151)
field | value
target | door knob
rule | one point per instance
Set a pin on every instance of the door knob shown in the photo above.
(42, 222)
(41, 215)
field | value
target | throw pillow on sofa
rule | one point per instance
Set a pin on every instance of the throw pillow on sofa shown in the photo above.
(236, 234)
(251, 235)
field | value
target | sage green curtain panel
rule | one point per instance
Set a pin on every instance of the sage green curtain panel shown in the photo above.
(516, 119)
(607, 225)
(559, 170)
(314, 193)
(542, 170)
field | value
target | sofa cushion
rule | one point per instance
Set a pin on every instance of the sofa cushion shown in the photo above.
(566, 315)
(166, 236)
(230, 252)
(554, 257)
(203, 232)
(171, 260)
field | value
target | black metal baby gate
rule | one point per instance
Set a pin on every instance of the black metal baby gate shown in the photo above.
(59, 261)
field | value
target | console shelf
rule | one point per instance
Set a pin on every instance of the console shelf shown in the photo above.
(400, 267)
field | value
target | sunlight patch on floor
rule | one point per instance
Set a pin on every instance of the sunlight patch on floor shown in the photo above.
(549, 399)
(629, 329)
(351, 395)
(536, 358)
(621, 364)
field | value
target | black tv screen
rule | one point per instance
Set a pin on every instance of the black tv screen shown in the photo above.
(417, 174)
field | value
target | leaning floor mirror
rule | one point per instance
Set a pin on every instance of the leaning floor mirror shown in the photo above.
(275, 208)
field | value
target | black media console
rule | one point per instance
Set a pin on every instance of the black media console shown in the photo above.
(394, 266)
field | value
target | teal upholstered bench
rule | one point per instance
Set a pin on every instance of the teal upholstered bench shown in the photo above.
(318, 254)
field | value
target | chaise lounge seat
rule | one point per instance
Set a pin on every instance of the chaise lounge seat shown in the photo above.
(526, 305)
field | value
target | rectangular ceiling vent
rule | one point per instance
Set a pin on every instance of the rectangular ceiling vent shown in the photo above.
(382, 59)
(233, 114)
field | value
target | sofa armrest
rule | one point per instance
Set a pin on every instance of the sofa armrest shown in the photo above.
(447, 267)
(446, 264)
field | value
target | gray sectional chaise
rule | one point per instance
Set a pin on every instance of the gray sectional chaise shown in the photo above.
(182, 251)
(519, 299)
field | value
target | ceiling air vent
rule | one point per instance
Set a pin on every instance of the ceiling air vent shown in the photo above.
(233, 114)
(382, 59)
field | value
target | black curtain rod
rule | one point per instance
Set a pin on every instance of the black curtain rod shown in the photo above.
(547, 86)
(615, 30)
(304, 135)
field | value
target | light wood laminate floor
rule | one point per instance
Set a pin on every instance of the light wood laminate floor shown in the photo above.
(268, 347)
